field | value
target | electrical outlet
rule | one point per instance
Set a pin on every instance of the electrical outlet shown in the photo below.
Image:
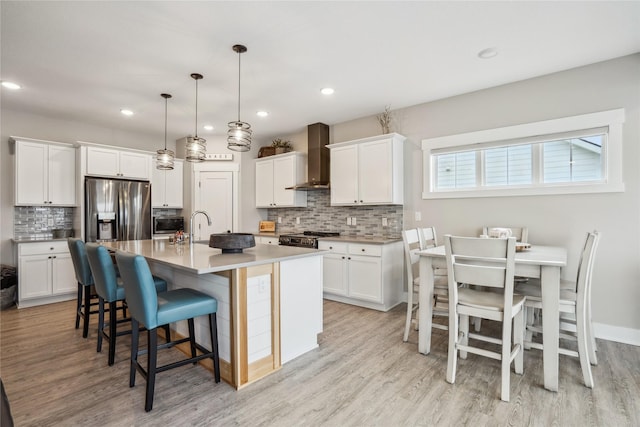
(50, 221)
(418, 216)
(348, 220)
(279, 220)
(353, 220)
(384, 222)
(298, 220)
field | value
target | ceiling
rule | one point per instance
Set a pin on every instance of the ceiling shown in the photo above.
(84, 61)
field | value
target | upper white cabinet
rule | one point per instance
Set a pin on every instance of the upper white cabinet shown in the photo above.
(368, 171)
(119, 164)
(166, 186)
(274, 174)
(45, 173)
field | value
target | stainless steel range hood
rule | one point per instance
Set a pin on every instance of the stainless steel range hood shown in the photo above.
(317, 159)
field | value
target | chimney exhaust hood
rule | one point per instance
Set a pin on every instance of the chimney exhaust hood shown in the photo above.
(318, 159)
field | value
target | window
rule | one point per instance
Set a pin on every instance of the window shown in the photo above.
(548, 157)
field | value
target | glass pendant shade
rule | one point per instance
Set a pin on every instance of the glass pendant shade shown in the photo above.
(239, 133)
(196, 148)
(164, 157)
(239, 136)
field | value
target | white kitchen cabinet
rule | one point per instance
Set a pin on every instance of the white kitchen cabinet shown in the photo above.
(368, 171)
(45, 173)
(45, 273)
(274, 174)
(166, 186)
(368, 275)
(118, 163)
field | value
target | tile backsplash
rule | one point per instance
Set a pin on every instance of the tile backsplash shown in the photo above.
(40, 221)
(319, 215)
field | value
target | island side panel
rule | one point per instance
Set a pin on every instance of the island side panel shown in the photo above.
(300, 306)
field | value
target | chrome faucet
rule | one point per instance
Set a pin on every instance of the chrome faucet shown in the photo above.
(191, 223)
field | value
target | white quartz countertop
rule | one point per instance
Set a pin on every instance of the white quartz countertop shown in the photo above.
(201, 259)
(374, 240)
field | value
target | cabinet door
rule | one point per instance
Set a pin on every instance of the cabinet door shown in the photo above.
(158, 188)
(102, 161)
(264, 184)
(284, 175)
(31, 173)
(34, 276)
(375, 177)
(173, 186)
(334, 274)
(365, 278)
(63, 274)
(135, 165)
(62, 175)
(344, 176)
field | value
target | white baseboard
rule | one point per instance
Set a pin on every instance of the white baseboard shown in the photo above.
(617, 333)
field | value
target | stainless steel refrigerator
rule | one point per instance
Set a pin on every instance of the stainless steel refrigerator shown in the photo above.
(117, 209)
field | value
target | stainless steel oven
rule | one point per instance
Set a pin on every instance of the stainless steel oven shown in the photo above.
(308, 239)
(167, 224)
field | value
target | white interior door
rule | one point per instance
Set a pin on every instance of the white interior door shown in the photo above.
(214, 195)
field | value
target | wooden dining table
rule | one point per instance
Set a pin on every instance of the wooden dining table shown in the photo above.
(543, 262)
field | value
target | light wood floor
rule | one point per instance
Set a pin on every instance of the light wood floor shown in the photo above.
(361, 375)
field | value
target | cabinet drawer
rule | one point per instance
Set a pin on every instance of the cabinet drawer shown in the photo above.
(365, 249)
(333, 246)
(43, 248)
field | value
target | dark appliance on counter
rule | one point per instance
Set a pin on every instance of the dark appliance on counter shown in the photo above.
(117, 209)
(308, 239)
(167, 224)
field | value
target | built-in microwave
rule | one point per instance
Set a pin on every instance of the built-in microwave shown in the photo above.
(167, 224)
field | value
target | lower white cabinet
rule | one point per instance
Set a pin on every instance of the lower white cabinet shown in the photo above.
(45, 273)
(364, 274)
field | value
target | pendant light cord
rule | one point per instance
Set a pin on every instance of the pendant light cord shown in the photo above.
(165, 124)
(239, 65)
(196, 109)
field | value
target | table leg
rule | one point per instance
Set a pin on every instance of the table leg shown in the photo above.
(425, 301)
(550, 278)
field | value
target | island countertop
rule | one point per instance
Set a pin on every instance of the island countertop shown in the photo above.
(199, 258)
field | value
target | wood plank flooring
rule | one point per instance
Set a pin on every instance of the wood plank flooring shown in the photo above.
(361, 375)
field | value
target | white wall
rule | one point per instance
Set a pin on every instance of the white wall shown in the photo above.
(553, 220)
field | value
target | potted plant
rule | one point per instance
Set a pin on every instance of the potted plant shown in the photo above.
(281, 146)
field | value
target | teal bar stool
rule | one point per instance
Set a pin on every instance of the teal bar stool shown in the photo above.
(85, 282)
(111, 291)
(153, 309)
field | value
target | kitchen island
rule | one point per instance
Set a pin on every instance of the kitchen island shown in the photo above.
(269, 300)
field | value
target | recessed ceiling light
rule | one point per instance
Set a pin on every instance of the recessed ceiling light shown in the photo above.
(487, 53)
(11, 85)
(207, 127)
(126, 112)
(262, 113)
(327, 91)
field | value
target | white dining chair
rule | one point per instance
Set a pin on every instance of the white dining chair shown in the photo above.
(575, 301)
(414, 241)
(486, 263)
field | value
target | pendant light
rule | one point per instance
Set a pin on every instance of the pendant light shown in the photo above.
(239, 133)
(164, 157)
(196, 147)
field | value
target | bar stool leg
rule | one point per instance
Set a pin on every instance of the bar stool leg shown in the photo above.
(100, 323)
(213, 331)
(78, 305)
(113, 322)
(192, 338)
(135, 332)
(86, 309)
(152, 345)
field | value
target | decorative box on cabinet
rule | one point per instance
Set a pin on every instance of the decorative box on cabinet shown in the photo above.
(166, 186)
(364, 274)
(368, 171)
(274, 174)
(109, 162)
(45, 173)
(45, 273)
